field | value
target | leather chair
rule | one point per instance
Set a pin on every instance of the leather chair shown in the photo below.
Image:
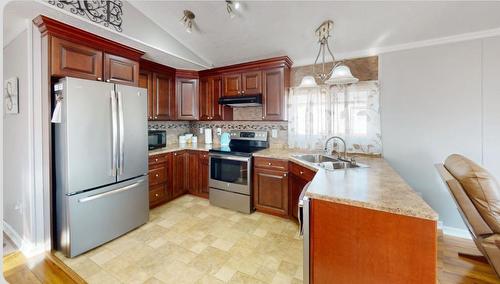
(477, 196)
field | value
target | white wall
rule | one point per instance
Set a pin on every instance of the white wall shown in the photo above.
(436, 101)
(17, 176)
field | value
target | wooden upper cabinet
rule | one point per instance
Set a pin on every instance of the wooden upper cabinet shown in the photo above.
(187, 99)
(75, 60)
(210, 92)
(232, 85)
(163, 97)
(205, 99)
(273, 94)
(121, 70)
(271, 191)
(251, 83)
(146, 81)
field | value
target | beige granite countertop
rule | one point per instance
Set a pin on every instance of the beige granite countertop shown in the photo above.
(376, 187)
(179, 147)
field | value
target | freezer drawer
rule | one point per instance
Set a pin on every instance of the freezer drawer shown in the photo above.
(98, 216)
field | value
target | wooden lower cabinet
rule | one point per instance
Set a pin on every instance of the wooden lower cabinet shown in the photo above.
(174, 174)
(350, 244)
(193, 172)
(160, 173)
(299, 176)
(271, 191)
(180, 173)
(203, 174)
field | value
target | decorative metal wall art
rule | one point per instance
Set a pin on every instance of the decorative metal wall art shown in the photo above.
(106, 12)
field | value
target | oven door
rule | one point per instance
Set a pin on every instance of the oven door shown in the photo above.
(230, 173)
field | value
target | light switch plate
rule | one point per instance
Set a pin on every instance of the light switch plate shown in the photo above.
(274, 133)
(219, 131)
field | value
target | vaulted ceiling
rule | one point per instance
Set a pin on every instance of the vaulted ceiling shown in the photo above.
(270, 28)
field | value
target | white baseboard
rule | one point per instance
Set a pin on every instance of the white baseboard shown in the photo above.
(454, 232)
(26, 247)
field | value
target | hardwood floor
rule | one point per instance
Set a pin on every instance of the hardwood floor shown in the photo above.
(39, 269)
(451, 268)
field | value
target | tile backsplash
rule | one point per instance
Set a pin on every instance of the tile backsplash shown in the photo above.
(173, 128)
(176, 128)
(275, 142)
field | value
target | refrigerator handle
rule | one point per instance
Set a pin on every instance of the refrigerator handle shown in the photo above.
(122, 134)
(114, 133)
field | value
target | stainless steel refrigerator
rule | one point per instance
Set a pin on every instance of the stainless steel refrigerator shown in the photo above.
(101, 163)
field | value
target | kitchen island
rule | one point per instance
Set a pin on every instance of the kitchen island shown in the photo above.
(365, 225)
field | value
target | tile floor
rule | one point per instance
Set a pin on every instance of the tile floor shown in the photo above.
(189, 241)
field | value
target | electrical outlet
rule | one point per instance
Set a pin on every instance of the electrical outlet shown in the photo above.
(219, 131)
(274, 133)
(201, 130)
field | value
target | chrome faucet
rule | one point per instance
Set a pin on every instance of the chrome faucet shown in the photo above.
(332, 153)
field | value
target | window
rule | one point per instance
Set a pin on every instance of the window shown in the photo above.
(350, 112)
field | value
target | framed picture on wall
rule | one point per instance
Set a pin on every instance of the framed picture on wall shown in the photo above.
(11, 96)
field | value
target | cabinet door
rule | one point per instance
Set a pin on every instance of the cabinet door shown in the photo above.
(273, 95)
(232, 85)
(164, 97)
(121, 70)
(203, 174)
(179, 172)
(75, 60)
(187, 99)
(219, 112)
(192, 174)
(205, 99)
(271, 191)
(251, 83)
(146, 81)
(296, 185)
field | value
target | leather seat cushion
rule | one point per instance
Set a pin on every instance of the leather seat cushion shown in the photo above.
(481, 187)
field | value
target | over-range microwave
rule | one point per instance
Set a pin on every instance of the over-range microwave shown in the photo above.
(157, 139)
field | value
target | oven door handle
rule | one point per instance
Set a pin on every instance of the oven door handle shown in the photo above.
(226, 157)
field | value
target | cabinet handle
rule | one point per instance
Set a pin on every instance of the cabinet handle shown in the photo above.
(284, 174)
(262, 117)
(269, 164)
(175, 154)
(157, 175)
(108, 80)
(150, 117)
(99, 79)
(239, 92)
(242, 92)
(156, 195)
(156, 117)
(156, 160)
(301, 172)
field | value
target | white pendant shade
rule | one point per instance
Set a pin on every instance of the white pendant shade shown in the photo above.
(308, 82)
(341, 75)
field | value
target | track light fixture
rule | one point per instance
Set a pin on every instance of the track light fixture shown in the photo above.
(188, 20)
(231, 7)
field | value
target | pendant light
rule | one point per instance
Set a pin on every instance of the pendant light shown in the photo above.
(339, 74)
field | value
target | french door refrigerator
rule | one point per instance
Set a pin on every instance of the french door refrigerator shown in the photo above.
(101, 163)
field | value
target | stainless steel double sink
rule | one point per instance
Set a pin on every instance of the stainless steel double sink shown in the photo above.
(328, 162)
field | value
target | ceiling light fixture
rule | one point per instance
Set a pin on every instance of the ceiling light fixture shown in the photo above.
(188, 20)
(231, 6)
(339, 74)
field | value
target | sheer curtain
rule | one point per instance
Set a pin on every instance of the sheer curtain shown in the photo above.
(350, 112)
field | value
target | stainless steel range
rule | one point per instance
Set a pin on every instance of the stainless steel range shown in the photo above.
(230, 170)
